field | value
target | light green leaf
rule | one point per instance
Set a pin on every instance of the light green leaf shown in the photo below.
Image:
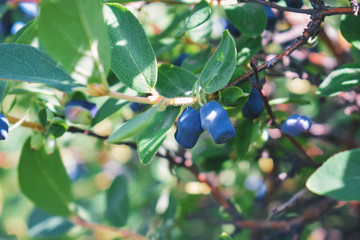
(341, 79)
(132, 57)
(243, 137)
(348, 25)
(338, 177)
(149, 141)
(249, 18)
(298, 101)
(43, 179)
(233, 97)
(174, 81)
(134, 126)
(247, 47)
(220, 67)
(24, 63)
(224, 236)
(200, 14)
(26, 34)
(74, 33)
(117, 202)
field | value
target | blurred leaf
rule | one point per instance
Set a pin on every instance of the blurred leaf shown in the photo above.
(43, 179)
(220, 67)
(247, 47)
(134, 126)
(133, 59)
(224, 236)
(200, 14)
(154, 135)
(341, 79)
(26, 34)
(243, 137)
(24, 63)
(117, 202)
(43, 225)
(338, 177)
(348, 25)
(3, 8)
(74, 33)
(249, 18)
(196, 62)
(3, 85)
(355, 53)
(233, 97)
(164, 45)
(111, 106)
(174, 81)
(298, 101)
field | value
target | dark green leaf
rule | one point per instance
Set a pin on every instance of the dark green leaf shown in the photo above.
(174, 81)
(338, 177)
(298, 101)
(341, 79)
(220, 67)
(74, 33)
(243, 137)
(26, 34)
(117, 202)
(133, 59)
(43, 225)
(134, 126)
(149, 141)
(57, 127)
(247, 47)
(196, 62)
(249, 18)
(348, 25)
(233, 97)
(28, 64)
(200, 14)
(43, 179)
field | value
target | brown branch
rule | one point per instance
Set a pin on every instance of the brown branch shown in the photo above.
(32, 125)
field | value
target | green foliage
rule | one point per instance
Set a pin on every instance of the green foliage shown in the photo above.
(347, 27)
(200, 14)
(338, 177)
(43, 179)
(117, 202)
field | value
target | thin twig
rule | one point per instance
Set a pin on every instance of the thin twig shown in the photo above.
(292, 201)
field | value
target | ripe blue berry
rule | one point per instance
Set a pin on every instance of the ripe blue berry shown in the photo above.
(296, 124)
(232, 29)
(254, 106)
(216, 121)
(4, 127)
(137, 107)
(189, 128)
(294, 3)
(80, 111)
(271, 18)
(179, 60)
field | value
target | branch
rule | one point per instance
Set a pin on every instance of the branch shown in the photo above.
(31, 125)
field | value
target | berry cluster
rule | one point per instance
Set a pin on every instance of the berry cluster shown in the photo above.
(4, 127)
(212, 117)
(296, 124)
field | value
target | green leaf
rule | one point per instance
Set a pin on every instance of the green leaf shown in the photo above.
(3, 85)
(149, 141)
(43, 179)
(134, 126)
(247, 47)
(26, 34)
(200, 14)
(74, 33)
(338, 177)
(348, 25)
(233, 97)
(197, 61)
(24, 63)
(133, 59)
(43, 225)
(243, 137)
(298, 101)
(341, 79)
(224, 236)
(220, 67)
(174, 81)
(249, 18)
(117, 202)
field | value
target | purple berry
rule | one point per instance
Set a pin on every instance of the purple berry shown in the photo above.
(189, 128)
(216, 121)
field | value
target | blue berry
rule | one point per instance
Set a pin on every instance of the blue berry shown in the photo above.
(80, 111)
(296, 124)
(294, 3)
(216, 121)
(29, 8)
(189, 128)
(271, 18)
(254, 106)
(232, 29)
(4, 127)
(179, 60)
(137, 107)
(16, 27)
